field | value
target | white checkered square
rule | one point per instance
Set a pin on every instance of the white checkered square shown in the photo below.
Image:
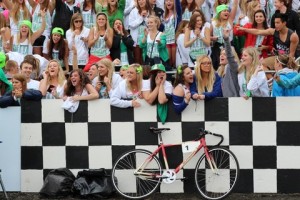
(288, 157)
(194, 112)
(221, 128)
(145, 113)
(76, 134)
(31, 180)
(264, 133)
(244, 155)
(52, 110)
(122, 133)
(287, 109)
(173, 136)
(99, 111)
(100, 157)
(240, 109)
(265, 180)
(54, 157)
(31, 134)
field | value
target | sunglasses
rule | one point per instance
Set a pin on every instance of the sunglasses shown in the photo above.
(78, 21)
(206, 63)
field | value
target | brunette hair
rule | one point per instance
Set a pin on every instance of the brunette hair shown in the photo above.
(181, 28)
(265, 25)
(22, 79)
(70, 89)
(61, 47)
(184, 5)
(148, 7)
(180, 75)
(76, 16)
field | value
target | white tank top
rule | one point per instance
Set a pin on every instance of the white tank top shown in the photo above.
(37, 21)
(24, 48)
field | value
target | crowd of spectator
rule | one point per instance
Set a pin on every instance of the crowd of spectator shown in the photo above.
(156, 50)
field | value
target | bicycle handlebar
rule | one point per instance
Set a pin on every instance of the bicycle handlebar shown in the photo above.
(205, 132)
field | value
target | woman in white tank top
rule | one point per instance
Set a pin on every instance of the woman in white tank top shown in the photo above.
(23, 41)
(100, 40)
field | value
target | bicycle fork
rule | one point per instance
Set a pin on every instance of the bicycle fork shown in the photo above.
(211, 162)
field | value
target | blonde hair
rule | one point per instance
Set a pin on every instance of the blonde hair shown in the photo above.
(139, 78)
(16, 10)
(243, 6)
(28, 35)
(75, 17)
(61, 76)
(287, 61)
(255, 62)
(250, 10)
(110, 67)
(156, 20)
(199, 80)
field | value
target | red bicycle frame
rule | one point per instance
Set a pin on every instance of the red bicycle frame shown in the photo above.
(162, 146)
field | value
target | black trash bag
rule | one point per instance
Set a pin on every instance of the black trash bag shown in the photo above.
(94, 183)
(58, 183)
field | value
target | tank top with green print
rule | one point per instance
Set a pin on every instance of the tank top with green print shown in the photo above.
(99, 49)
(198, 48)
(154, 45)
(170, 30)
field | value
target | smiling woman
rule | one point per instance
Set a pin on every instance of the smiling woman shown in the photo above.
(129, 90)
(78, 87)
(208, 83)
(19, 91)
(181, 94)
(57, 48)
(53, 82)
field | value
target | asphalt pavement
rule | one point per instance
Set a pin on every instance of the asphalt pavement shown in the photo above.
(157, 196)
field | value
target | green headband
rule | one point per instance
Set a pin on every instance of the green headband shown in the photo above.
(139, 69)
(179, 69)
(125, 67)
(27, 23)
(221, 8)
(58, 30)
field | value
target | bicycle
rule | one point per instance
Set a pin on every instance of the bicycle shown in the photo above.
(138, 173)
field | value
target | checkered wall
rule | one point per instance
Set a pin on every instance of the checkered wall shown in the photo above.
(262, 132)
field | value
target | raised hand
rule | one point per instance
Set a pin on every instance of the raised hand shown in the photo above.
(226, 33)
(43, 12)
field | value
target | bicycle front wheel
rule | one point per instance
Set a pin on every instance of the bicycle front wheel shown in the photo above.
(217, 174)
(136, 174)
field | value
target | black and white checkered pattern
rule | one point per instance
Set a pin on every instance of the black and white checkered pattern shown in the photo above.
(262, 132)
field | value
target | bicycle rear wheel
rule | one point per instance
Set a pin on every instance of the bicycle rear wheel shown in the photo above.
(218, 181)
(130, 182)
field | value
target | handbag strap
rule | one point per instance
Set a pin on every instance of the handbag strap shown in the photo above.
(153, 43)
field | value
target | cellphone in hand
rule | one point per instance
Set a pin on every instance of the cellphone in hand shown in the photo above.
(50, 88)
(102, 83)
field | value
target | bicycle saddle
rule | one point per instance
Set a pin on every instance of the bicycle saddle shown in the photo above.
(158, 130)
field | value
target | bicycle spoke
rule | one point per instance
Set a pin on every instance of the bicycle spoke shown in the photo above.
(218, 182)
(136, 184)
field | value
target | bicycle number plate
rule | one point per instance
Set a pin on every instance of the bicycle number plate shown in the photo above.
(189, 146)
